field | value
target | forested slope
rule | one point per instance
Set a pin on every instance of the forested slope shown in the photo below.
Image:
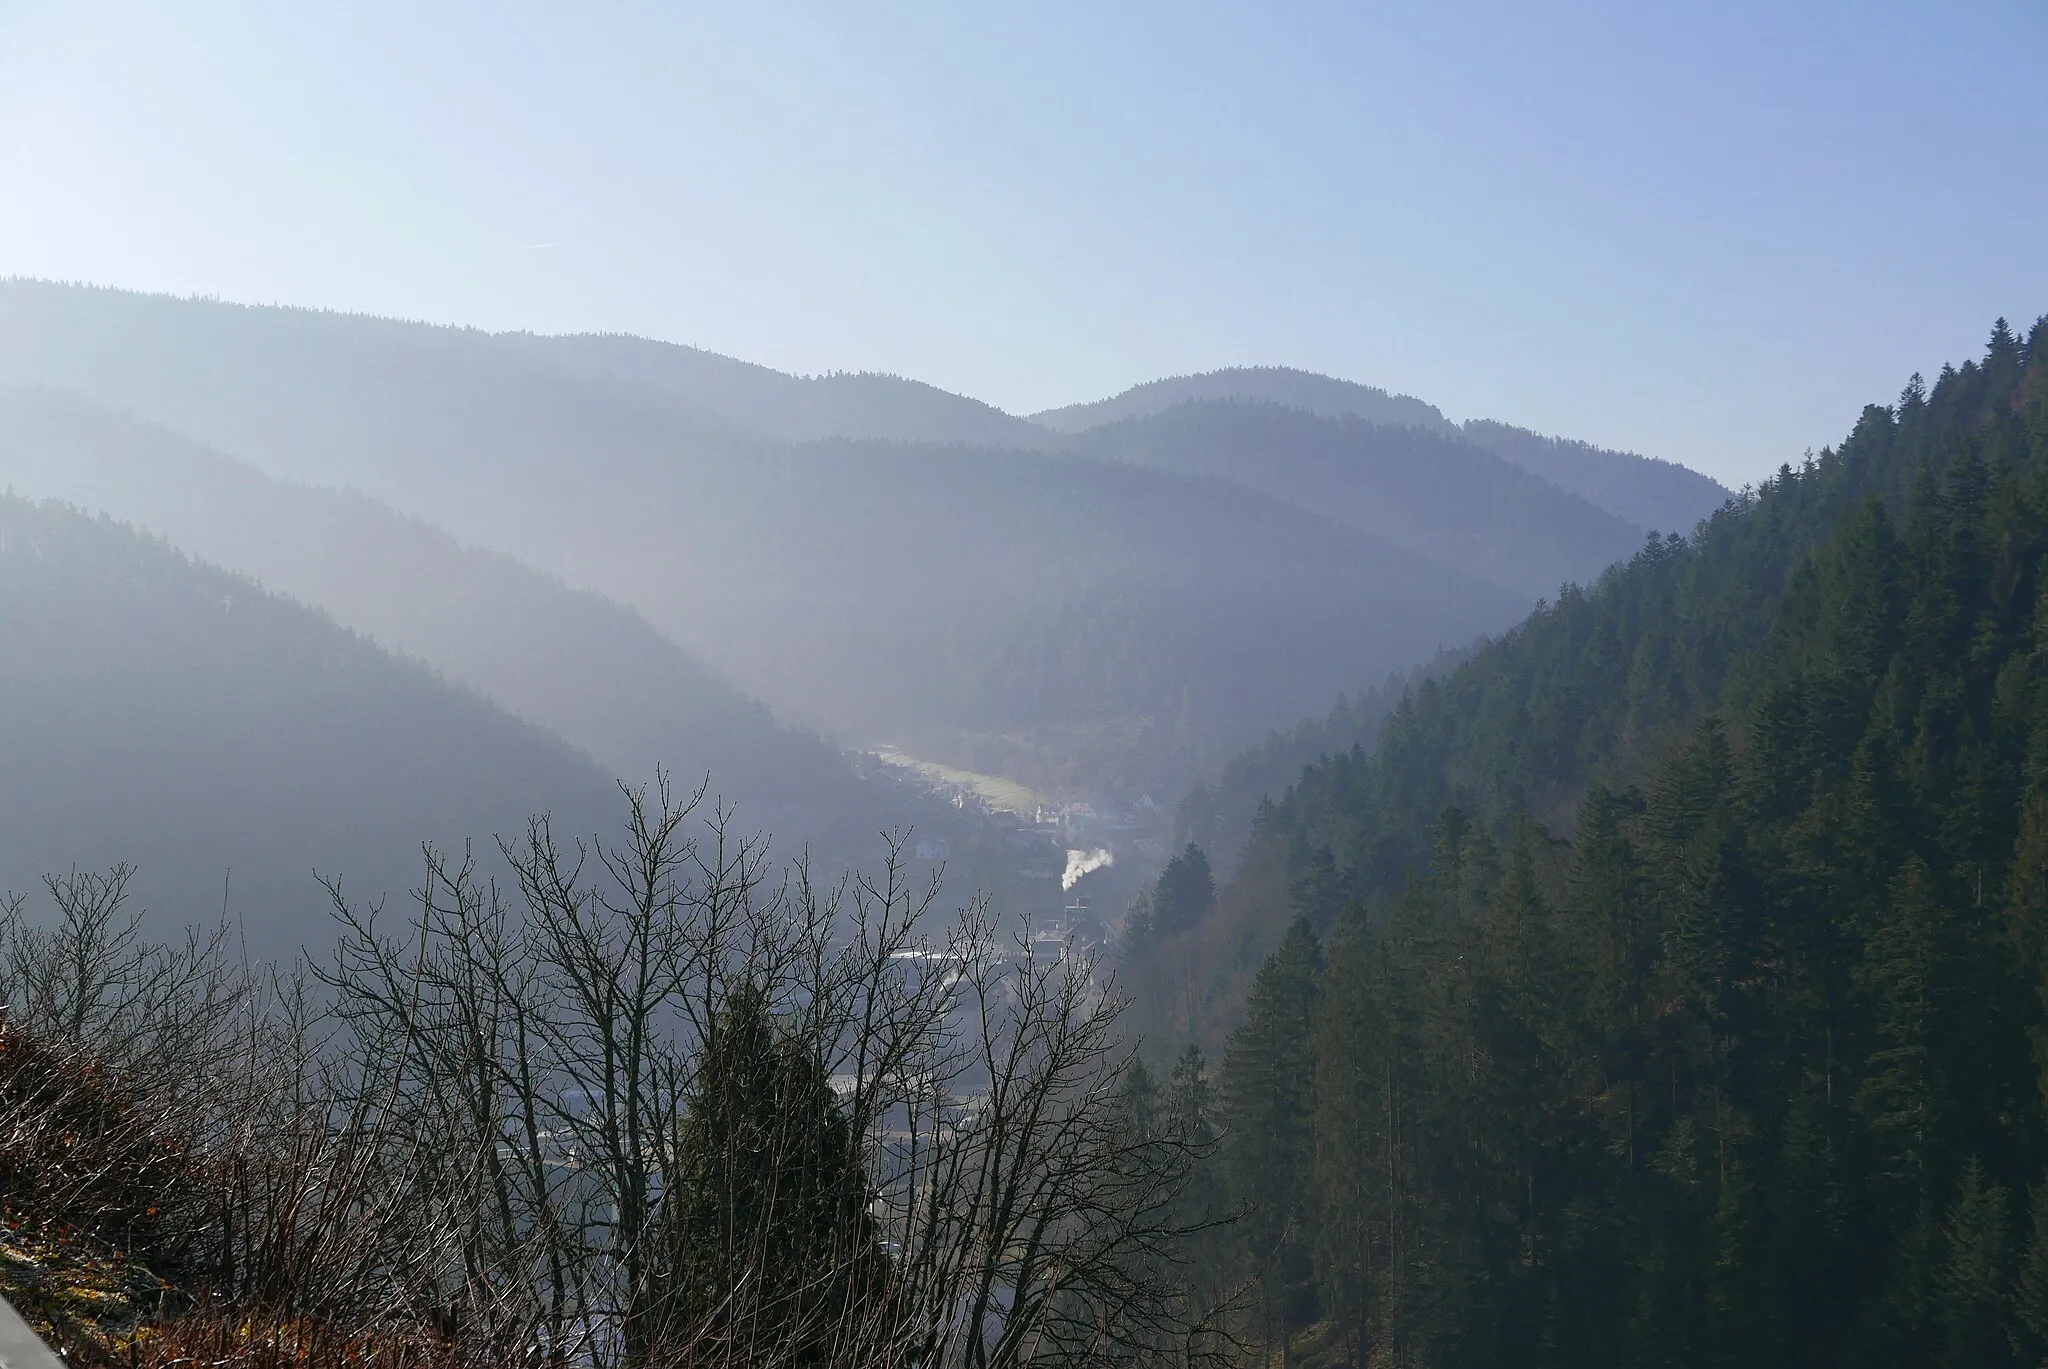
(1218, 815)
(796, 408)
(1069, 617)
(584, 667)
(1061, 619)
(1663, 988)
(1655, 495)
(1283, 385)
(1424, 489)
(229, 743)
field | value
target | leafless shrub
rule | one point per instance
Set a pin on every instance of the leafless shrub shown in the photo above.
(654, 1104)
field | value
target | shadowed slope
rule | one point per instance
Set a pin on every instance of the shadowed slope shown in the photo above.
(587, 668)
(1659, 496)
(167, 713)
(1428, 491)
(1102, 623)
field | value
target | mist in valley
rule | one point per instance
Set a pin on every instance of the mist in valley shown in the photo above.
(620, 544)
(341, 635)
(768, 687)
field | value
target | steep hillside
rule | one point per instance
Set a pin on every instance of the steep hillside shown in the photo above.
(1098, 623)
(1601, 685)
(1661, 496)
(1305, 390)
(1425, 490)
(230, 743)
(489, 442)
(584, 667)
(1126, 620)
(1219, 815)
(1667, 983)
(1654, 495)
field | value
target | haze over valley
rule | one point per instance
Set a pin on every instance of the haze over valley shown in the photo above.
(1053, 687)
(663, 557)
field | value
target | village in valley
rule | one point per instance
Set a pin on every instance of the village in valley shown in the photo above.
(1064, 866)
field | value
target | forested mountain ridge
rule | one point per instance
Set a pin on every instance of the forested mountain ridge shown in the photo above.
(230, 743)
(1655, 495)
(1601, 682)
(447, 424)
(793, 408)
(1662, 987)
(1420, 488)
(583, 667)
(1061, 619)
(1282, 385)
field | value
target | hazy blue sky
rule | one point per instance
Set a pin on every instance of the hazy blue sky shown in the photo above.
(1708, 232)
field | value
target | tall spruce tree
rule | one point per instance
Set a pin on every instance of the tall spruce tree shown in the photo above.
(1269, 1078)
(776, 1253)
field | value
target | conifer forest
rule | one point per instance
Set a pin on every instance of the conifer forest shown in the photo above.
(1667, 985)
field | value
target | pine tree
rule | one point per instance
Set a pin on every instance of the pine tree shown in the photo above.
(2028, 1331)
(1360, 1170)
(1319, 891)
(1183, 893)
(1203, 1208)
(1269, 1076)
(1974, 1286)
(1902, 975)
(1139, 1100)
(767, 1217)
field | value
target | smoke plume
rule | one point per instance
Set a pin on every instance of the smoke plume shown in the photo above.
(1080, 863)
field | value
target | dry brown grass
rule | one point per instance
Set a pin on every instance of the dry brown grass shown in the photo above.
(90, 1195)
(87, 1190)
(221, 1339)
(85, 1298)
(80, 1150)
(471, 1143)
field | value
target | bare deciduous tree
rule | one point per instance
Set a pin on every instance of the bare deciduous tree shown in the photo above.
(509, 1118)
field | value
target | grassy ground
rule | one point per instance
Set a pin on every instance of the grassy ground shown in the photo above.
(86, 1173)
(102, 1308)
(88, 1300)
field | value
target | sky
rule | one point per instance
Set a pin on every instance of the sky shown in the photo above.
(1705, 232)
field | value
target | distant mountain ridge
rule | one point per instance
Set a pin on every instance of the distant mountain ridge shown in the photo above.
(584, 667)
(1318, 394)
(1427, 490)
(712, 391)
(873, 557)
(792, 408)
(1655, 495)
(1094, 621)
